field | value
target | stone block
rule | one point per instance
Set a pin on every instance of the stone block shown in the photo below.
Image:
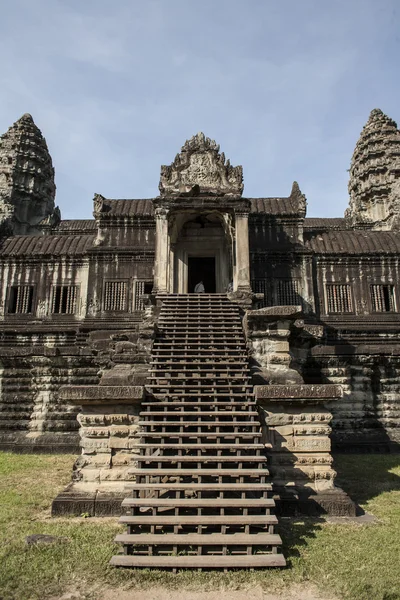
(109, 504)
(121, 459)
(90, 475)
(95, 432)
(116, 442)
(299, 392)
(273, 312)
(120, 431)
(311, 444)
(119, 375)
(117, 474)
(97, 395)
(73, 502)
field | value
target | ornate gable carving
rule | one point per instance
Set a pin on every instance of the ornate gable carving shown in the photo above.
(201, 169)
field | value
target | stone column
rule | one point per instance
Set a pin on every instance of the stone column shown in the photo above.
(242, 252)
(162, 252)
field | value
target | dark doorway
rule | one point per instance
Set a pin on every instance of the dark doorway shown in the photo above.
(201, 268)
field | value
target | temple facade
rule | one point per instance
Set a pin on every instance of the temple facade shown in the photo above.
(75, 294)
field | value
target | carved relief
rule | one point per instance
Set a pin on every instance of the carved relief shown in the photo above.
(201, 169)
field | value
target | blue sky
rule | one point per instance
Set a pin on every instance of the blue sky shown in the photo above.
(284, 86)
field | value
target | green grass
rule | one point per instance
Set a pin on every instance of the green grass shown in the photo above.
(355, 562)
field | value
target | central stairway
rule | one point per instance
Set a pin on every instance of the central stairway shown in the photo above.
(201, 497)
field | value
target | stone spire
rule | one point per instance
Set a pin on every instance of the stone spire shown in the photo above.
(27, 188)
(374, 184)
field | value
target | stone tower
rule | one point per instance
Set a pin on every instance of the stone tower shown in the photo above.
(27, 188)
(374, 184)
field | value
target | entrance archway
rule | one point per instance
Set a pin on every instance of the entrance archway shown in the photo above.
(202, 251)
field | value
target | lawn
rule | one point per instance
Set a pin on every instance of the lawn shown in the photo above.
(353, 561)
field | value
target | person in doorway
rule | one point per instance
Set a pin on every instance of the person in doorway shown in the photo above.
(199, 288)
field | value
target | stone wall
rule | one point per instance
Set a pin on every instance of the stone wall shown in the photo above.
(367, 417)
(32, 416)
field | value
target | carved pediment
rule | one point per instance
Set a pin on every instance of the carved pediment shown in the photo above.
(200, 168)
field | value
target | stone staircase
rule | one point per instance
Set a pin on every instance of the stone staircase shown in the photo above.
(201, 497)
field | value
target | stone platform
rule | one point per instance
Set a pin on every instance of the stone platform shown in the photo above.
(108, 428)
(297, 436)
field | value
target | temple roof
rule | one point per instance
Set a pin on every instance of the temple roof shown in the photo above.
(39, 245)
(355, 242)
(275, 206)
(131, 208)
(75, 226)
(144, 207)
(325, 224)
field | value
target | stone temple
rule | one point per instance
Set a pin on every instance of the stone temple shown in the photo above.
(202, 412)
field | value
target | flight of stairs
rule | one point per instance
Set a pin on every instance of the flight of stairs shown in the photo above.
(202, 497)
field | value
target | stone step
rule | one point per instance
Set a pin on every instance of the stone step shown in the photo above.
(173, 343)
(196, 434)
(201, 459)
(217, 503)
(204, 520)
(195, 446)
(217, 352)
(245, 396)
(196, 366)
(245, 561)
(203, 328)
(195, 539)
(212, 423)
(198, 403)
(200, 487)
(155, 413)
(200, 472)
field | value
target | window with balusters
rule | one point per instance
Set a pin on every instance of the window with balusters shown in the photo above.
(64, 299)
(383, 298)
(141, 289)
(339, 298)
(20, 299)
(116, 296)
(278, 292)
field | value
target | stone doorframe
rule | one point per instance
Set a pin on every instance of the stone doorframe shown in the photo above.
(168, 213)
(180, 262)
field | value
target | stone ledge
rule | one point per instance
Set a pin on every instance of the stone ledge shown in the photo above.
(274, 312)
(302, 392)
(95, 394)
